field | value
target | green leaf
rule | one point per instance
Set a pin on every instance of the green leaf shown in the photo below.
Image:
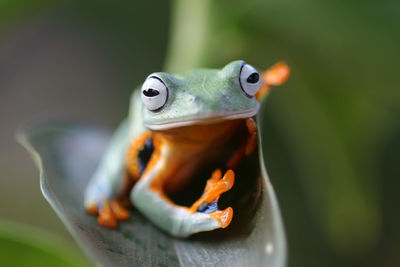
(66, 155)
(21, 245)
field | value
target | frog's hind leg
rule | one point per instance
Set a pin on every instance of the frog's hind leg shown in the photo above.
(110, 212)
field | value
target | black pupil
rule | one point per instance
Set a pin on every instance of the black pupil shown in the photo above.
(150, 92)
(253, 78)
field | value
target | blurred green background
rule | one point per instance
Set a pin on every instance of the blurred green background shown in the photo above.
(331, 136)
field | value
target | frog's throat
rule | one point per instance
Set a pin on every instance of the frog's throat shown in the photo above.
(208, 119)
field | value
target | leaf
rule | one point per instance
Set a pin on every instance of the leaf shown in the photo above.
(66, 155)
(38, 248)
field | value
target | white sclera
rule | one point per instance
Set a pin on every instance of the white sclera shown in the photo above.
(157, 101)
(249, 88)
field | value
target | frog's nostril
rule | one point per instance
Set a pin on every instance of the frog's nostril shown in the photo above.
(150, 92)
(253, 78)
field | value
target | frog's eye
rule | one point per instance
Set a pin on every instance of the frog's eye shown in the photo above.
(249, 80)
(154, 93)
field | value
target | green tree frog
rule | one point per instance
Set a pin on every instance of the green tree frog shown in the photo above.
(178, 124)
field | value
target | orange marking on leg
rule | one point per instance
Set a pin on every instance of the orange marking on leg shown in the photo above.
(157, 183)
(131, 161)
(215, 191)
(120, 213)
(223, 217)
(157, 143)
(251, 142)
(106, 216)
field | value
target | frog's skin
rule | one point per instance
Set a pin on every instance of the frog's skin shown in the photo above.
(177, 124)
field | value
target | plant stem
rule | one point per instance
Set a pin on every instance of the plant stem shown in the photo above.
(187, 35)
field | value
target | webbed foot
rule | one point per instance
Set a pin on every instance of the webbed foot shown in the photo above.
(109, 212)
(274, 76)
(208, 202)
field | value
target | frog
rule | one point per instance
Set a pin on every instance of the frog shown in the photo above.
(178, 124)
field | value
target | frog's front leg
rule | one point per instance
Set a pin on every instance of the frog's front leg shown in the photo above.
(248, 145)
(149, 197)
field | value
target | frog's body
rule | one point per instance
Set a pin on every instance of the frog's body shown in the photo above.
(177, 125)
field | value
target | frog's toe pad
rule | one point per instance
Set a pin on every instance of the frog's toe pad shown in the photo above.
(109, 213)
(119, 211)
(215, 187)
(223, 217)
(106, 216)
(208, 203)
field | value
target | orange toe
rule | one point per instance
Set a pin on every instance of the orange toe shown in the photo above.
(215, 176)
(106, 216)
(214, 191)
(119, 211)
(226, 182)
(223, 217)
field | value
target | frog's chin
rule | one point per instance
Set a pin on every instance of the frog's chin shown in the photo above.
(208, 119)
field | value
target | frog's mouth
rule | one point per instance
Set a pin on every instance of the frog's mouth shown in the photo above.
(207, 119)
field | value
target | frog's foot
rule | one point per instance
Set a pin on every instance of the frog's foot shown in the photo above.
(109, 213)
(208, 202)
(191, 223)
(274, 76)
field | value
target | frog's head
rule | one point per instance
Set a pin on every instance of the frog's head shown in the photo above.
(200, 96)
